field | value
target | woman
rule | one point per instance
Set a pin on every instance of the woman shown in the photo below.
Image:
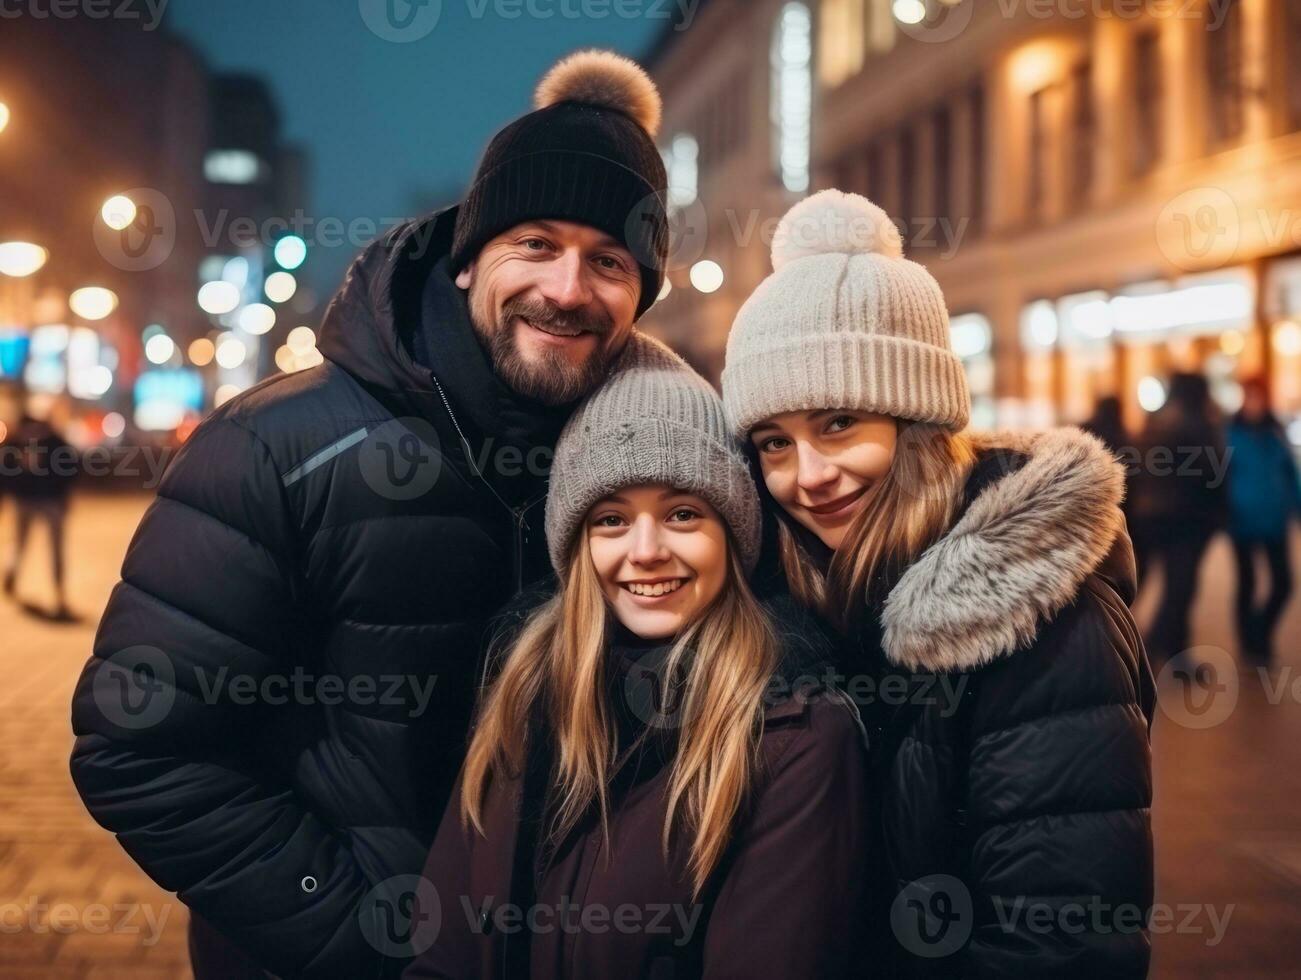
(981, 586)
(634, 802)
(1264, 499)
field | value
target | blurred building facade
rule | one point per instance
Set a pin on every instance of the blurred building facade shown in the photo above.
(1106, 191)
(108, 110)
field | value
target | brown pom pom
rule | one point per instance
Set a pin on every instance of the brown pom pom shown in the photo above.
(603, 78)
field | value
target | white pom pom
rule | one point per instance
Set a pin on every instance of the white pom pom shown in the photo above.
(832, 221)
(606, 79)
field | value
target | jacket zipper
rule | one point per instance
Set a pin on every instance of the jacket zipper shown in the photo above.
(517, 513)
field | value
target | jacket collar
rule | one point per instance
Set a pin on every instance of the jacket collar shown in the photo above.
(1017, 555)
(367, 327)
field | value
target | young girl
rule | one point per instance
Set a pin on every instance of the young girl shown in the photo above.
(640, 797)
(982, 586)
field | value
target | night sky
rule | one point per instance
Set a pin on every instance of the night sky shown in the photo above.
(395, 128)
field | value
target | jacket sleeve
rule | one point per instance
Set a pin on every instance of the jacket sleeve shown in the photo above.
(1059, 791)
(794, 892)
(171, 737)
(444, 899)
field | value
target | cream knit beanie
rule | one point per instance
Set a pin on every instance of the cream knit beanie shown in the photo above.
(654, 421)
(844, 321)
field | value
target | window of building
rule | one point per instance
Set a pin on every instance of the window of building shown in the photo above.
(792, 95)
(841, 36)
(1083, 132)
(681, 162)
(875, 172)
(942, 195)
(1224, 69)
(1148, 95)
(1037, 177)
(880, 25)
(976, 155)
(909, 185)
(1293, 62)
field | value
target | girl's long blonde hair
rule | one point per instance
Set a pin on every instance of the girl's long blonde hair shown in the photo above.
(911, 508)
(558, 665)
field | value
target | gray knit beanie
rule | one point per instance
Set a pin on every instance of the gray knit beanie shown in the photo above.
(844, 321)
(654, 421)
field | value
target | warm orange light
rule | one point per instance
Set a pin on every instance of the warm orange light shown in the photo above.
(1035, 65)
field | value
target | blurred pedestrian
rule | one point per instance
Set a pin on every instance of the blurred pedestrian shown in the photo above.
(1264, 497)
(1179, 504)
(44, 466)
(1108, 424)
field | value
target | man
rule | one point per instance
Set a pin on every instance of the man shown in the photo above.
(43, 471)
(278, 699)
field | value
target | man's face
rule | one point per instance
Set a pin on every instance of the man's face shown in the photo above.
(553, 303)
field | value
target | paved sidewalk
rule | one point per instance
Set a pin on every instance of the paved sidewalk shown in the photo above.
(72, 904)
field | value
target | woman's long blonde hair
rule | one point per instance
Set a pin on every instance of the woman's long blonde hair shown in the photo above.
(910, 509)
(558, 664)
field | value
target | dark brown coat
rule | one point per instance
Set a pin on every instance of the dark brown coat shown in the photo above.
(787, 901)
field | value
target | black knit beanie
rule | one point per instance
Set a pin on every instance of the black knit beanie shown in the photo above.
(587, 154)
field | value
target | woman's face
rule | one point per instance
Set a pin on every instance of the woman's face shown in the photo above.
(818, 465)
(660, 554)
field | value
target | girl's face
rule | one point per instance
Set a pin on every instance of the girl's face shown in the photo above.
(660, 554)
(818, 465)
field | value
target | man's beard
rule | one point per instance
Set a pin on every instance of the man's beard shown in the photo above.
(550, 378)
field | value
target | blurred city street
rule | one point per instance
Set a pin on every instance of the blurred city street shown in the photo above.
(72, 903)
(1227, 835)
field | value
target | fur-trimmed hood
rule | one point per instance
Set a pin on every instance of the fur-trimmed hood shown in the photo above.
(1016, 557)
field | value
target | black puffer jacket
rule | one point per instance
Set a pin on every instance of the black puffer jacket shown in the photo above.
(1014, 775)
(281, 684)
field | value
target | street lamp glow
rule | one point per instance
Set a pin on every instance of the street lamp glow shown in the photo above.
(218, 298)
(118, 212)
(202, 352)
(97, 381)
(290, 252)
(280, 287)
(231, 352)
(224, 394)
(93, 302)
(257, 318)
(1151, 394)
(909, 11)
(159, 348)
(707, 276)
(1287, 339)
(301, 340)
(235, 271)
(20, 259)
(4, 117)
(664, 290)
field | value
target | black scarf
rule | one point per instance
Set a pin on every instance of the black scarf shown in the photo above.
(491, 414)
